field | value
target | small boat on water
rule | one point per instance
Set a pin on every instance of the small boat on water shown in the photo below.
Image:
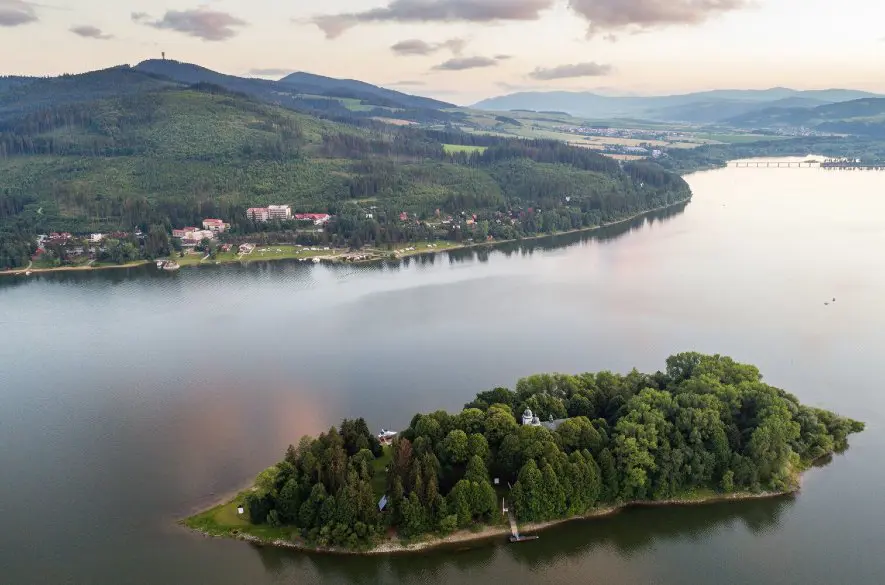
(316, 260)
(168, 265)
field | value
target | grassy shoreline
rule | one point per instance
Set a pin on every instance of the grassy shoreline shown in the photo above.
(205, 523)
(337, 255)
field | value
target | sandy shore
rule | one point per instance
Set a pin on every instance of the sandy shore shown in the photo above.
(31, 270)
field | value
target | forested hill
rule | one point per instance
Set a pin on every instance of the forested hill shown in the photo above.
(311, 83)
(340, 99)
(863, 117)
(153, 154)
(30, 95)
(705, 426)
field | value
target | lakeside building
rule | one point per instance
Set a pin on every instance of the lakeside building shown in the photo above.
(278, 212)
(191, 236)
(258, 213)
(281, 212)
(316, 218)
(215, 225)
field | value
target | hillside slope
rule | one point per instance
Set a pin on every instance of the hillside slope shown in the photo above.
(169, 157)
(313, 94)
(24, 96)
(312, 83)
(864, 117)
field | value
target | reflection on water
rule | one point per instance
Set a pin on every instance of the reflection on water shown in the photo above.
(288, 268)
(132, 397)
(586, 543)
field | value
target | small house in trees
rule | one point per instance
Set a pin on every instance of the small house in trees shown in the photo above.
(530, 419)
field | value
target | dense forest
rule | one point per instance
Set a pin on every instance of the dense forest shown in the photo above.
(705, 425)
(147, 152)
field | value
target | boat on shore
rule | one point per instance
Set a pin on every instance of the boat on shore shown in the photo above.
(168, 265)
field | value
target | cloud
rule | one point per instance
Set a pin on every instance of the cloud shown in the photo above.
(202, 23)
(412, 47)
(269, 72)
(407, 83)
(464, 63)
(589, 69)
(642, 15)
(435, 11)
(90, 32)
(16, 13)
(503, 57)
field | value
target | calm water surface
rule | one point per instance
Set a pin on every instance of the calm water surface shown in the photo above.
(130, 399)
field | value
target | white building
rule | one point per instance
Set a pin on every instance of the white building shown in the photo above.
(529, 419)
(214, 225)
(532, 420)
(281, 212)
(258, 213)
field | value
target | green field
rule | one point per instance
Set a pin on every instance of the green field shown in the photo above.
(223, 520)
(453, 148)
(738, 138)
(379, 477)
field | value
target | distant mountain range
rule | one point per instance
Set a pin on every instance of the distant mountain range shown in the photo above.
(863, 117)
(703, 107)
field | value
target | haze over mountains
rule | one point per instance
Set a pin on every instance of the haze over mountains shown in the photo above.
(833, 110)
(703, 107)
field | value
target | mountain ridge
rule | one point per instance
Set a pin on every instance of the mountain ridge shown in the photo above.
(300, 91)
(676, 107)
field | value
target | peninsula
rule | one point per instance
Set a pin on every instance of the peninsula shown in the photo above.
(556, 448)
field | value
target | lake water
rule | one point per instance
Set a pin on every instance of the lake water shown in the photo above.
(132, 398)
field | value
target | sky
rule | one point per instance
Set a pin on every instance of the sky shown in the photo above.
(466, 50)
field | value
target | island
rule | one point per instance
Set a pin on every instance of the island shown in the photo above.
(558, 447)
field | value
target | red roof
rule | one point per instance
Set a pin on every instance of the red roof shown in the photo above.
(313, 216)
(213, 221)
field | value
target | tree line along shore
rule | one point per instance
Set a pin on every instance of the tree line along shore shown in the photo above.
(217, 254)
(555, 448)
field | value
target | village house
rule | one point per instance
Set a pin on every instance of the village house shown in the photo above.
(191, 236)
(316, 218)
(59, 238)
(215, 225)
(530, 419)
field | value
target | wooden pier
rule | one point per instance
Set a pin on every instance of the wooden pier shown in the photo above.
(515, 536)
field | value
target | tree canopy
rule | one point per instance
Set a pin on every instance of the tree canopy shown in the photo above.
(706, 423)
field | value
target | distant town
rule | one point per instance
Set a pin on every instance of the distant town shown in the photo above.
(213, 239)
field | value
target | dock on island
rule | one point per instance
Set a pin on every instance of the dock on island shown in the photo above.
(515, 536)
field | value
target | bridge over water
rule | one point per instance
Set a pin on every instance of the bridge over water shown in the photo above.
(825, 165)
